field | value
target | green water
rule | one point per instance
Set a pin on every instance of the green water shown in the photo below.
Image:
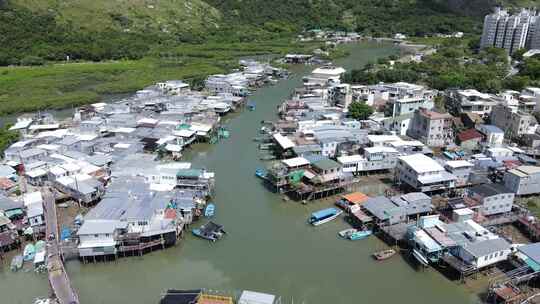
(269, 246)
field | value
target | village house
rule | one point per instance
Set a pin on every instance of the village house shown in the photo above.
(374, 159)
(469, 140)
(523, 180)
(460, 101)
(492, 199)
(461, 169)
(432, 128)
(398, 209)
(422, 173)
(513, 123)
(494, 136)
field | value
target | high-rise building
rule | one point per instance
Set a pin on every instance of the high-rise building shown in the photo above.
(511, 32)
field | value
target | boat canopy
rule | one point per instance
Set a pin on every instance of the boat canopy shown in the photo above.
(324, 213)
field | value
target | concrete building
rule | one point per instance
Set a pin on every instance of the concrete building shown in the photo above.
(472, 101)
(492, 198)
(494, 136)
(374, 159)
(325, 75)
(513, 123)
(494, 28)
(422, 173)
(340, 95)
(398, 209)
(523, 180)
(432, 128)
(461, 169)
(510, 32)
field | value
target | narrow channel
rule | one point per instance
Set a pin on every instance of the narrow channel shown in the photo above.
(269, 246)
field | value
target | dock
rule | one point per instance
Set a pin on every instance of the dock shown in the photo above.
(58, 277)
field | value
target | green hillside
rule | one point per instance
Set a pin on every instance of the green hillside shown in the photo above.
(167, 16)
(33, 31)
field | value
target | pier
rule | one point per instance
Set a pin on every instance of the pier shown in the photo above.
(58, 278)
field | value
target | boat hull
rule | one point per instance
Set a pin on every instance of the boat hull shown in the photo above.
(326, 220)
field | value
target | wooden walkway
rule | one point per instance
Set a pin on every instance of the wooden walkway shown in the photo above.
(58, 278)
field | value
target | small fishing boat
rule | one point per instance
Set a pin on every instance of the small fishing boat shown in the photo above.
(209, 231)
(345, 233)
(29, 252)
(210, 209)
(324, 216)
(260, 173)
(355, 234)
(267, 157)
(17, 263)
(360, 235)
(251, 106)
(39, 246)
(384, 254)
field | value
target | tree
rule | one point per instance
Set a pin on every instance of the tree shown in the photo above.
(360, 111)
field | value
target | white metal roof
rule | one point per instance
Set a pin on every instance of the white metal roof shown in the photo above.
(421, 163)
(296, 162)
(463, 211)
(184, 133)
(32, 198)
(173, 148)
(252, 297)
(380, 149)
(165, 139)
(283, 141)
(459, 164)
(332, 71)
(21, 124)
(124, 130)
(149, 121)
(383, 138)
(121, 146)
(350, 159)
(45, 127)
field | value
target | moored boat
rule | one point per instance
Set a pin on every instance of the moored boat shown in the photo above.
(39, 246)
(17, 263)
(209, 231)
(260, 173)
(210, 210)
(324, 216)
(360, 235)
(345, 233)
(384, 254)
(29, 252)
(355, 234)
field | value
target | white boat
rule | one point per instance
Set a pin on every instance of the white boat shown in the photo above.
(324, 216)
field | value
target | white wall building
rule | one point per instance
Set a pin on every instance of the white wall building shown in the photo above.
(422, 173)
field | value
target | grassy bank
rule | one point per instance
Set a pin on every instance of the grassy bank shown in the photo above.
(24, 89)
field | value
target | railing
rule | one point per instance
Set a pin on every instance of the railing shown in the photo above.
(141, 246)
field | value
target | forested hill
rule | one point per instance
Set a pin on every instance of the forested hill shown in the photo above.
(33, 31)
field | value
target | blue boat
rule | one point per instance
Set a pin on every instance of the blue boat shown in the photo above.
(210, 209)
(355, 234)
(324, 216)
(251, 106)
(29, 252)
(209, 231)
(260, 173)
(360, 235)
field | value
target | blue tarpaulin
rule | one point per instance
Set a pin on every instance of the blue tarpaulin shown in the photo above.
(65, 234)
